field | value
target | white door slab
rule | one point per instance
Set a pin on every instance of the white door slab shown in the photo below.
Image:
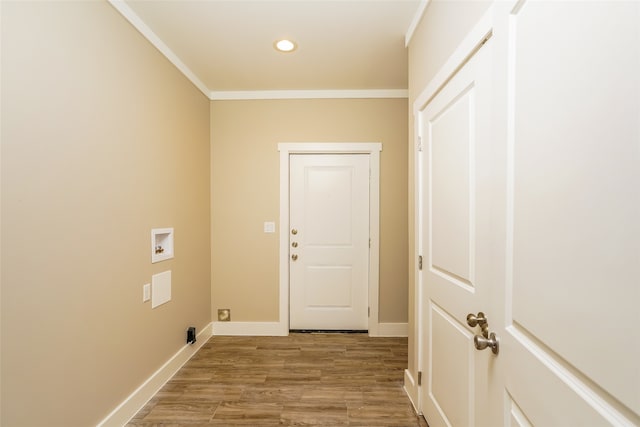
(329, 241)
(571, 342)
(540, 228)
(456, 145)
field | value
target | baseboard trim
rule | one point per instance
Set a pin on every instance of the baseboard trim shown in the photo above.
(273, 329)
(392, 330)
(411, 389)
(136, 401)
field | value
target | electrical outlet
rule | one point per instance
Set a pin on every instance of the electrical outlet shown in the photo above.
(146, 292)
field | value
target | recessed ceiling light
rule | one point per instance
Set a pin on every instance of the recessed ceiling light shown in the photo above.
(285, 45)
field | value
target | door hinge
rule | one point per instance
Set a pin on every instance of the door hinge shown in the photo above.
(419, 377)
(419, 143)
(369, 243)
(368, 311)
(419, 262)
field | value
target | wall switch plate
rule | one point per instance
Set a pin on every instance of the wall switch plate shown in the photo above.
(146, 292)
(269, 227)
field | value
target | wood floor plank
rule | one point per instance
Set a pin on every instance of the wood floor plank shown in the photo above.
(268, 393)
(325, 393)
(314, 414)
(304, 379)
(249, 413)
(167, 411)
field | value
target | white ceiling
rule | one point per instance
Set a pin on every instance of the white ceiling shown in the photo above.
(227, 45)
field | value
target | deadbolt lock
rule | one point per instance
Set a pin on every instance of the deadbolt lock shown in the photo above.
(474, 320)
(479, 319)
(486, 340)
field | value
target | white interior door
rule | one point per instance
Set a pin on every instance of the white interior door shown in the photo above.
(571, 342)
(551, 205)
(329, 241)
(454, 128)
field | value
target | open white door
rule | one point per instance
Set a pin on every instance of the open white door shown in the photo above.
(571, 108)
(541, 230)
(329, 241)
(456, 147)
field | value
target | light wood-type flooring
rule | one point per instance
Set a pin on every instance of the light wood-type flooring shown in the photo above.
(305, 379)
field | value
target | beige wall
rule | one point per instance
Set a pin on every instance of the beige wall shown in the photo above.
(444, 25)
(102, 140)
(245, 194)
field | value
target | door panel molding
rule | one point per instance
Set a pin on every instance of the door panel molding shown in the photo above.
(585, 267)
(455, 141)
(474, 40)
(563, 227)
(587, 397)
(373, 150)
(451, 368)
(593, 271)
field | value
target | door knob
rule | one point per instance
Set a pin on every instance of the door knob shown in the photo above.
(482, 342)
(294, 257)
(294, 231)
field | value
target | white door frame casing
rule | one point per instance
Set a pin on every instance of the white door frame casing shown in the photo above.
(373, 150)
(476, 37)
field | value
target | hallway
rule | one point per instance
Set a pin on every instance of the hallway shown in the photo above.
(303, 379)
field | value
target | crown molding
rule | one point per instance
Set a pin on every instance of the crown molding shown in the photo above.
(415, 21)
(128, 13)
(307, 94)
